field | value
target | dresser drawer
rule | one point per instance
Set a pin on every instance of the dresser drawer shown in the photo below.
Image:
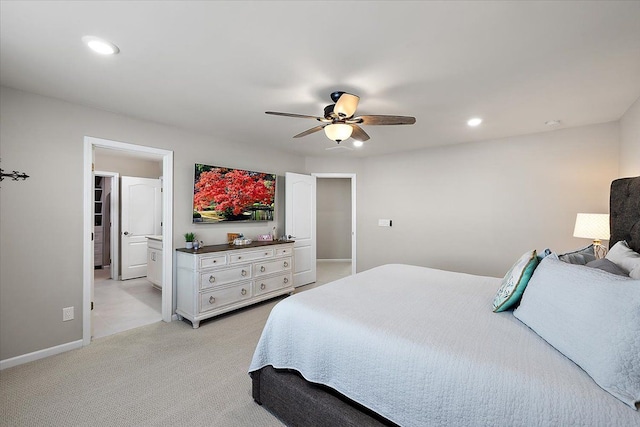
(213, 278)
(269, 267)
(221, 297)
(271, 284)
(284, 251)
(250, 256)
(211, 261)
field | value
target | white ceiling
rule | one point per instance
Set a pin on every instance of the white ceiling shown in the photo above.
(216, 67)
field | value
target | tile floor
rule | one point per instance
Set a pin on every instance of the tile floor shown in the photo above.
(123, 305)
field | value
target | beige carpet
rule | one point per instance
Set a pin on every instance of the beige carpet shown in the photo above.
(157, 375)
(163, 374)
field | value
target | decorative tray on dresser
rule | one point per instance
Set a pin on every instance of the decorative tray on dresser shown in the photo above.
(216, 279)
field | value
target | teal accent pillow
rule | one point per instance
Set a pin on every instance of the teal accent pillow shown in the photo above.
(515, 281)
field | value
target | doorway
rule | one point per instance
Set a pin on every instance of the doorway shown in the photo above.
(122, 300)
(166, 274)
(336, 256)
(106, 222)
(300, 222)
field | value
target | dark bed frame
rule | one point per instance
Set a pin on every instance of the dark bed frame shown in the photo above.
(624, 208)
(297, 402)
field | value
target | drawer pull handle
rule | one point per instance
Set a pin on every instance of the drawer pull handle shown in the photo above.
(286, 280)
(214, 261)
(239, 257)
(262, 269)
(244, 273)
(243, 291)
(286, 264)
(212, 300)
(262, 286)
(212, 279)
(266, 254)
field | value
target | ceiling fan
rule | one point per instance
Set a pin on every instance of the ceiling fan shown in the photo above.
(339, 121)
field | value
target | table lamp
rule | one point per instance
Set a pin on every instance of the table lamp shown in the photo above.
(593, 226)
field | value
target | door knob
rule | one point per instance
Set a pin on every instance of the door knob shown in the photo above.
(126, 233)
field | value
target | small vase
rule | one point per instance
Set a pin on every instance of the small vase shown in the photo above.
(188, 245)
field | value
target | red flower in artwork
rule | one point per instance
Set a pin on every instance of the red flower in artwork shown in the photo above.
(232, 192)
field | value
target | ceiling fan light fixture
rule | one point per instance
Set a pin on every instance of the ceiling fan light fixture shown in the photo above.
(346, 105)
(339, 122)
(338, 131)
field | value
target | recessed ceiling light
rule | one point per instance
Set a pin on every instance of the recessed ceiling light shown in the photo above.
(552, 122)
(100, 46)
(474, 122)
(357, 143)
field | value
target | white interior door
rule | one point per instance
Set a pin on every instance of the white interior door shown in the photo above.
(141, 216)
(300, 224)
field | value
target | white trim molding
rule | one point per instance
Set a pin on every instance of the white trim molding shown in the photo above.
(40, 354)
(90, 143)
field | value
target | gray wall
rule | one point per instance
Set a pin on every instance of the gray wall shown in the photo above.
(477, 207)
(630, 141)
(41, 227)
(127, 166)
(333, 201)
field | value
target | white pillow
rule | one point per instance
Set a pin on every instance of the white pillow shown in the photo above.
(626, 258)
(590, 316)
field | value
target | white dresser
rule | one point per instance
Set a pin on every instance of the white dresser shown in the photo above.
(220, 278)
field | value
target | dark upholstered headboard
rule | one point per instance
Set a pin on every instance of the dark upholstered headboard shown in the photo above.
(624, 211)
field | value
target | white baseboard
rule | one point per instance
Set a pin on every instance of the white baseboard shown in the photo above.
(333, 260)
(40, 354)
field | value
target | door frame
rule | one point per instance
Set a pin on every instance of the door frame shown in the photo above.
(90, 143)
(352, 177)
(114, 214)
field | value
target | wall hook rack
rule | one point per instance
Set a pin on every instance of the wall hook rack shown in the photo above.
(15, 175)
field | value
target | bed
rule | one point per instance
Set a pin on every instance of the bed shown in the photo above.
(413, 346)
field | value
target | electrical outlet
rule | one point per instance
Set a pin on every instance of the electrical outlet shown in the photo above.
(67, 314)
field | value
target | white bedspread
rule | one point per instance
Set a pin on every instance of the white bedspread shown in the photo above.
(422, 347)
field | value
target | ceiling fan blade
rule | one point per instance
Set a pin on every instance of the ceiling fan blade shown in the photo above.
(346, 105)
(359, 133)
(385, 120)
(301, 116)
(309, 131)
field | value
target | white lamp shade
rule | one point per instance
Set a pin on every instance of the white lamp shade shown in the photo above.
(338, 131)
(592, 226)
(346, 105)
